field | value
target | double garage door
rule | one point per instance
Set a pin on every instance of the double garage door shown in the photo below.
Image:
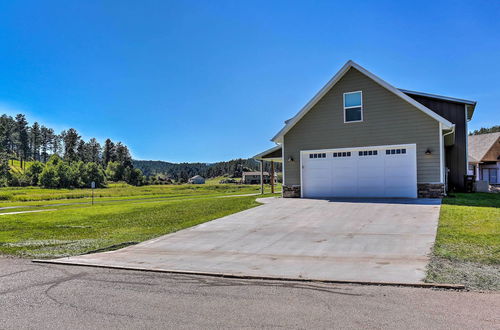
(378, 171)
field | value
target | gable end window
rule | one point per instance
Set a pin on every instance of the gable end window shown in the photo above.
(353, 107)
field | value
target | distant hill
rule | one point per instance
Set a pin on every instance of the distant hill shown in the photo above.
(183, 171)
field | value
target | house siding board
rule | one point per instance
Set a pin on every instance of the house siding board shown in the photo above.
(387, 120)
(455, 155)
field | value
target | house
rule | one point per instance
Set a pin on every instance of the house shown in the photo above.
(484, 157)
(254, 177)
(361, 137)
(197, 180)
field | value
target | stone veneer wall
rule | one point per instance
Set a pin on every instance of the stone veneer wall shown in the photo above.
(291, 191)
(425, 190)
(431, 190)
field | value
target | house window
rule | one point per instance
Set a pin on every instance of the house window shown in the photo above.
(353, 107)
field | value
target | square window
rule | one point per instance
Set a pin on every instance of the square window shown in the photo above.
(310, 155)
(343, 154)
(315, 156)
(387, 152)
(370, 153)
(403, 151)
(393, 151)
(375, 152)
(398, 151)
(348, 154)
(334, 154)
(360, 153)
(324, 155)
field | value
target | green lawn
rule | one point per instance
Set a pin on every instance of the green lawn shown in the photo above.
(467, 248)
(78, 229)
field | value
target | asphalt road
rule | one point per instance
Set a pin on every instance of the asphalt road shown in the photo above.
(47, 296)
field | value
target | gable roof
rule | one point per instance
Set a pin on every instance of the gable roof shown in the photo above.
(479, 145)
(350, 64)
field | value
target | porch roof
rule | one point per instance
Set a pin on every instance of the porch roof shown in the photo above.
(274, 154)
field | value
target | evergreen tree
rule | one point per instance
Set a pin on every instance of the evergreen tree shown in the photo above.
(109, 152)
(94, 151)
(71, 141)
(123, 155)
(7, 134)
(46, 140)
(22, 138)
(35, 141)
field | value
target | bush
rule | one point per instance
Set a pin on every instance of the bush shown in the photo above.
(19, 180)
(33, 172)
(94, 172)
(49, 178)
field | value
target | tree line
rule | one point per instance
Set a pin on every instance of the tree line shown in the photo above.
(181, 172)
(60, 160)
(485, 130)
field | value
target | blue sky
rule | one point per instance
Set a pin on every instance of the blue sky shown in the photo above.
(214, 80)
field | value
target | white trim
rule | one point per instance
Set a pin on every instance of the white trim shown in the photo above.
(283, 165)
(350, 64)
(441, 153)
(352, 107)
(466, 140)
(301, 176)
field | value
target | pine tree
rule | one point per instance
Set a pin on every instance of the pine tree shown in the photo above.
(46, 140)
(71, 141)
(109, 152)
(22, 138)
(35, 141)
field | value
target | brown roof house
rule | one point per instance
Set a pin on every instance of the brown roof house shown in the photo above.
(359, 136)
(484, 157)
(254, 177)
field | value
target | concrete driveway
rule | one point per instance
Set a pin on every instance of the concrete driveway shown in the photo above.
(344, 240)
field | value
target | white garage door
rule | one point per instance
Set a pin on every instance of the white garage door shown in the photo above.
(380, 171)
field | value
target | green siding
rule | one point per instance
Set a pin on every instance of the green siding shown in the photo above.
(387, 120)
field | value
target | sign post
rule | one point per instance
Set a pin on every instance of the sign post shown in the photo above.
(92, 185)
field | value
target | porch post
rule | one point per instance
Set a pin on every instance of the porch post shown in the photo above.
(272, 177)
(262, 177)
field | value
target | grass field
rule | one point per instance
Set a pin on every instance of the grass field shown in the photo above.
(115, 191)
(467, 248)
(15, 166)
(64, 229)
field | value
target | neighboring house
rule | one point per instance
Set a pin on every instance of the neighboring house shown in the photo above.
(196, 180)
(254, 177)
(484, 157)
(361, 137)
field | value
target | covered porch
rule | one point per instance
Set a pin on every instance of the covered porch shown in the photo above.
(272, 155)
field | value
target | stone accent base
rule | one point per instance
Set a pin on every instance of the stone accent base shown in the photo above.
(291, 191)
(431, 190)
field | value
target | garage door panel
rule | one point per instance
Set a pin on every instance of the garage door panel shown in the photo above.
(363, 172)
